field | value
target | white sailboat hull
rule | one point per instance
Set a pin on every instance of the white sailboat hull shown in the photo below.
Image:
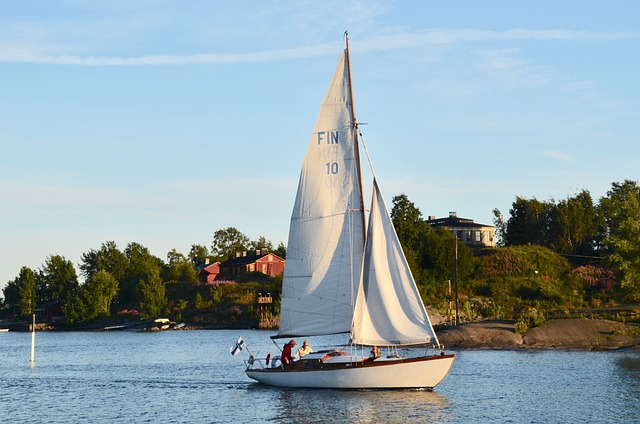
(415, 373)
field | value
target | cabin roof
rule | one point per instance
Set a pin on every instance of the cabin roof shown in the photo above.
(249, 259)
(455, 221)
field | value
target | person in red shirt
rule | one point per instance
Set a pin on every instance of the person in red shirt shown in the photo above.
(286, 352)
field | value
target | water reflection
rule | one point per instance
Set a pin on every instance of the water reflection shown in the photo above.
(356, 406)
(627, 372)
(629, 365)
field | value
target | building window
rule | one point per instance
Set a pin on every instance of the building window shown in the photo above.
(478, 236)
(252, 268)
(468, 235)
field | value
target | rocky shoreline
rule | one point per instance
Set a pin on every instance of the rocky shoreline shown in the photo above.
(570, 334)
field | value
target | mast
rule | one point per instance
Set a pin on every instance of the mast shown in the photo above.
(354, 125)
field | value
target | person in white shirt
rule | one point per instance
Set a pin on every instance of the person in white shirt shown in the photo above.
(303, 350)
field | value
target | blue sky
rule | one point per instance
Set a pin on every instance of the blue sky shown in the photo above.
(161, 122)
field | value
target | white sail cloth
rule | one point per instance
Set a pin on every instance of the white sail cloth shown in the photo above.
(331, 283)
(389, 310)
(326, 235)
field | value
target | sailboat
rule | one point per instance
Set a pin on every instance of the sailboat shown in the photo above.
(345, 276)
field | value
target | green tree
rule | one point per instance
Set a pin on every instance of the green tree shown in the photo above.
(59, 279)
(411, 230)
(227, 242)
(174, 257)
(261, 243)
(198, 255)
(153, 299)
(11, 294)
(200, 303)
(108, 258)
(141, 266)
(93, 299)
(431, 253)
(624, 241)
(103, 290)
(27, 287)
(439, 256)
(501, 227)
(573, 225)
(281, 250)
(408, 222)
(180, 268)
(528, 223)
(76, 310)
(611, 209)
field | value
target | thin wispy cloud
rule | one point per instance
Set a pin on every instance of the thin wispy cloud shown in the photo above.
(558, 155)
(25, 51)
(224, 58)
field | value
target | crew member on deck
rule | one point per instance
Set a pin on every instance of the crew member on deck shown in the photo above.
(304, 350)
(286, 352)
(375, 352)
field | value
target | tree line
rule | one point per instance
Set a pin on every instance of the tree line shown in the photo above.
(552, 255)
(115, 279)
(583, 230)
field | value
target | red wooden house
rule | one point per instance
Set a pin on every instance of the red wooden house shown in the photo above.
(209, 273)
(261, 261)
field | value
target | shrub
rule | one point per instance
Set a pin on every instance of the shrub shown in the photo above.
(521, 261)
(592, 281)
(530, 317)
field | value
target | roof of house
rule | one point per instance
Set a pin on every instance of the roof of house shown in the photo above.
(249, 259)
(455, 221)
(212, 266)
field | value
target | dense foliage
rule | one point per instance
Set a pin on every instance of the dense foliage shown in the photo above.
(601, 242)
(553, 256)
(134, 283)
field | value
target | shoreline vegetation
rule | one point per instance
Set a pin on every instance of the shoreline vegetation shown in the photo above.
(555, 264)
(585, 334)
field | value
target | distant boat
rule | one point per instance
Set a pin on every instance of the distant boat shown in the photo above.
(4, 330)
(160, 324)
(115, 328)
(343, 276)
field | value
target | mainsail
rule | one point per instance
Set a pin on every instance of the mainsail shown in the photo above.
(326, 235)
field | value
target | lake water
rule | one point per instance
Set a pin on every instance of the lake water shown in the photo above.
(190, 377)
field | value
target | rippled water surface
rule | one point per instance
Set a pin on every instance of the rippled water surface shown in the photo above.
(190, 377)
